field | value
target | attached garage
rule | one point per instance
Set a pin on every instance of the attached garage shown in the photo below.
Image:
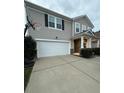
(52, 48)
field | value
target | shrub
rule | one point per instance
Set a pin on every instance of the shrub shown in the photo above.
(86, 52)
(29, 48)
(96, 51)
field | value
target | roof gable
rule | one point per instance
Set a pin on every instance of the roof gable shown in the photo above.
(84, 16)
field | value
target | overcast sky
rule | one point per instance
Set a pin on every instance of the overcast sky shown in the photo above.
(73, 8)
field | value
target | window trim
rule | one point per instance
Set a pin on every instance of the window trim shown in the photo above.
(75, 27)
(55, 22)
(83, 27)
(88, 28)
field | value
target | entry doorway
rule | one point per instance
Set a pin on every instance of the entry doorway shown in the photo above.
(77, 45)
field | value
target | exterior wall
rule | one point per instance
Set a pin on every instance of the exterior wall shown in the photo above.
(72, 46)
(96, 44)
(46, 32)
(82, 21)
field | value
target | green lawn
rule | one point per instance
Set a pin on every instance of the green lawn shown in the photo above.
(27, 73)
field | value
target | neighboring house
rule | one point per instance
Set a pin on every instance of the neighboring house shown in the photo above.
(57, 34)
(96, 40)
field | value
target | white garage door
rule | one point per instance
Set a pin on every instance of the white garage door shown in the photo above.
(52, 48)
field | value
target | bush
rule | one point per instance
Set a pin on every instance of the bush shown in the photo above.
(86, 52)
(96, 51)
(29, 48)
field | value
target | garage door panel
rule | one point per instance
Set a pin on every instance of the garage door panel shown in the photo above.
(52, 48)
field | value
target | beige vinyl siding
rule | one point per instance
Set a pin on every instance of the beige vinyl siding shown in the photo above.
(83, 21)
(46, 32)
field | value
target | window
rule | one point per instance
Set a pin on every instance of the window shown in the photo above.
(58, 23)
(55, 22)
(83, 27)
(88, 28)
(77, 27)
(51, 21)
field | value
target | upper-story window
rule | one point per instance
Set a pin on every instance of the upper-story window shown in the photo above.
(58, 23)
(89, 28)
(83, 27)
(77, 27)
(51, 21)
(54, 22)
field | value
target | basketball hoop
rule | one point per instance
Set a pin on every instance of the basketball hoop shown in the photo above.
(36, 25)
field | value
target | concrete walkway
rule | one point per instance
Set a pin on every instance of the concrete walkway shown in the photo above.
(65, 74)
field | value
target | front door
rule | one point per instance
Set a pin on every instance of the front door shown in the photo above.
(77, 45)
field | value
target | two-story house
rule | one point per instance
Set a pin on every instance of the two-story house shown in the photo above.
(57, 34)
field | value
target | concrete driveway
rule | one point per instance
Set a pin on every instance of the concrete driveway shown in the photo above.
(65, 74)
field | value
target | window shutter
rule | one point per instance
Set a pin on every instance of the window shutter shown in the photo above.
(46, 20)
(62, 24)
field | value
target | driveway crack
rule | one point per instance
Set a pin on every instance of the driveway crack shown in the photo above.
(79, 69)
(85, 73)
